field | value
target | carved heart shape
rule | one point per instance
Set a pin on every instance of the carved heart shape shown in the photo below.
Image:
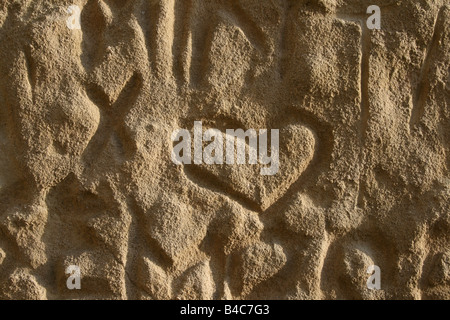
(244, 181)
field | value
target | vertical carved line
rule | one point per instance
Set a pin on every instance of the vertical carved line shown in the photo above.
(182, 41)
(423, 87)
(283, 41)
(202, 23)
(164, 38)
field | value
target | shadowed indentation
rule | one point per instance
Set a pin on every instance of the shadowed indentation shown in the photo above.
(209, 181)
(31, 67)
(202, 40)
(423, 87)
(93, 24)
(150, 12)
(180, 49)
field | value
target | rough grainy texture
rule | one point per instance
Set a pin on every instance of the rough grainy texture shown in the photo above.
(86, 176)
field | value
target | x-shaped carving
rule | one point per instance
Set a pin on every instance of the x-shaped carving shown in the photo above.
(111, 127)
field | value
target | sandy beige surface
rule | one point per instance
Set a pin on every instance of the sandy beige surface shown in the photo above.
(86, 176)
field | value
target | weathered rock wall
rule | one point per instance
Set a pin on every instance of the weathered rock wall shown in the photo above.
(86, 174)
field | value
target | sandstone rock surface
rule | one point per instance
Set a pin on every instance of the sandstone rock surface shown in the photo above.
(86, 176)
